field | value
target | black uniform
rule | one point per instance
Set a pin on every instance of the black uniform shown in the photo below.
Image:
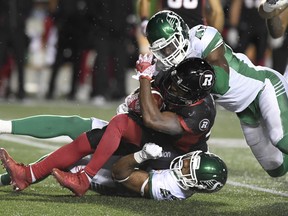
(190, 11)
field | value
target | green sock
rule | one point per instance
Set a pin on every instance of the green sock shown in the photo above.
(48, 126)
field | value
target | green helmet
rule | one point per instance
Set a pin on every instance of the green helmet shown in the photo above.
(168, 37)
(208, 172)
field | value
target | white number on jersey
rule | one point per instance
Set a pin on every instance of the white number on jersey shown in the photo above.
(187, 4)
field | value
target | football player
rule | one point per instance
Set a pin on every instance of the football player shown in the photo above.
(195, 172)
(258, 95)
(185, 124)
(190, 173)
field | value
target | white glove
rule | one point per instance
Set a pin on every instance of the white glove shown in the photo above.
(149, 151)
(122, 108)
(232, 37)
(271, 5)
(145, 67)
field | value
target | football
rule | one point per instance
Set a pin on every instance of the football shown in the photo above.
(133, 103)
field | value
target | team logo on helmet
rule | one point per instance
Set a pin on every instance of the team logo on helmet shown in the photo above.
(211, 185)
(207, 80)
(204, 124)
(173, 21)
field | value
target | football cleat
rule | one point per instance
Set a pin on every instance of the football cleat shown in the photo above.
(16, 171)
(78, 182)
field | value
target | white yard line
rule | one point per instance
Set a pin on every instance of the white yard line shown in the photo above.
(256, 188)
(229, 143)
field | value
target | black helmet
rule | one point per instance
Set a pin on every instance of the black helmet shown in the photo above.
(188, 82)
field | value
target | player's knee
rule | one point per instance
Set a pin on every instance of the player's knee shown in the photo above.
(75, 119)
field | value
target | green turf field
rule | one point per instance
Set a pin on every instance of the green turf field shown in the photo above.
(249, 191)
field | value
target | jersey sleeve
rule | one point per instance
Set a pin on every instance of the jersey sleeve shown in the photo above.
(212, 39)
(204, 40)
(199, 118)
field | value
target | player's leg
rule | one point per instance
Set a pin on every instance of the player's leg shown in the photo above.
(47, 126)
(273, 104)
(120, 127)
(5, 177)
(62, 158)
(265, 126)
(270, 158)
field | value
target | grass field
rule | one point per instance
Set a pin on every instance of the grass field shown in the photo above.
(249, 190)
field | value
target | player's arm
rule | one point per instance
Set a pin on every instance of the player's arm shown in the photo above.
(125, 169)
(215, 17)
(277, 25)
(221, 67)
(166, 122)
(144, 9)
(217, 58)
(235, 12)
(276, 18)
(267, 11)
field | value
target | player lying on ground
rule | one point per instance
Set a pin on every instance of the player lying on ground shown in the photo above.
(190, 173)
(184, 125)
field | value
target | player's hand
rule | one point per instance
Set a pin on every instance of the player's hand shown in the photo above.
(271, 5)
(122, 108)
(152, 151)
(149, 151)
(145, 67)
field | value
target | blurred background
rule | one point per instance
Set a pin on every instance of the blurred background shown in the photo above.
(85, 50)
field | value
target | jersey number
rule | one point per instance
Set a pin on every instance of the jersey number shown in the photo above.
(187, 4)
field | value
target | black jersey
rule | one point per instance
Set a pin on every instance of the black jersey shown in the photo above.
(191, 11)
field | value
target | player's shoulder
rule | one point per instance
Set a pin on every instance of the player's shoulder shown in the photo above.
(204, 105)
(200, 31)
(204, 39)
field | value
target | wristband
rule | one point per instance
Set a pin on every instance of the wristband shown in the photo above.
(138, 157)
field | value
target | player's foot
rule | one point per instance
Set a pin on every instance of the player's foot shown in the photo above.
(16, 171)
(78, 182)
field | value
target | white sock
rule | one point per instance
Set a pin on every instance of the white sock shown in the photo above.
(32, 175)
(5, 127)
(88, 177)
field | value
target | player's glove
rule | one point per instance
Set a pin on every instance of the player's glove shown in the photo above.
(145, 68)
(271, 5)
(122, 108)
(149, 151)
